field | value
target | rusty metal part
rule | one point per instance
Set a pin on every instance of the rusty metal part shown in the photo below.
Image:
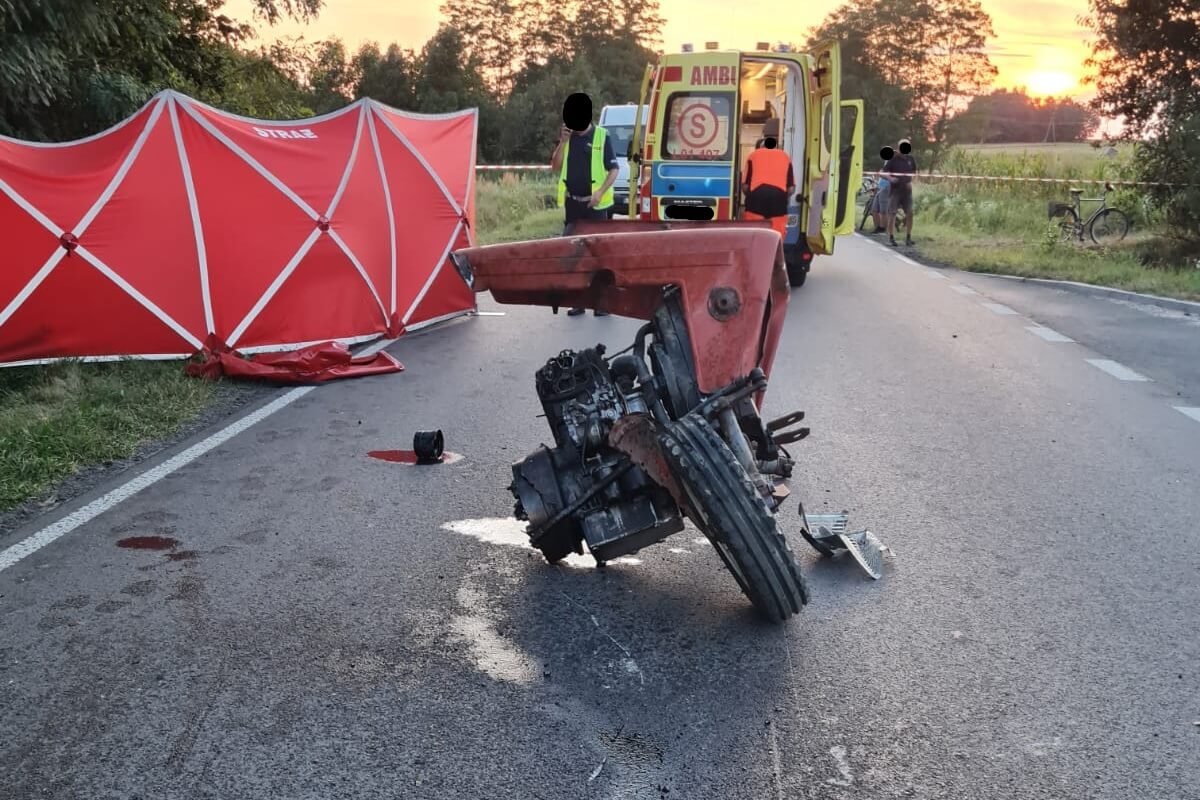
(637, 436)
(723, 303)
(626, 273)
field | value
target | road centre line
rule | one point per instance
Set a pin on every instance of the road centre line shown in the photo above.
(1049, 334)
(51, 533)
(1118, 371)
(1187, 411)
(1000, 308)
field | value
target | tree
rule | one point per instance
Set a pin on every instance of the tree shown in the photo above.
(1145, 61)
(1147, 71)
(1013, 116)
(331, 79)
(387, 77)
(72, 67)
(930, 53)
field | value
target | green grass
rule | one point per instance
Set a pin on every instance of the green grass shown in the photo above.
(511, 209)
(1009, 233)
(57, 419)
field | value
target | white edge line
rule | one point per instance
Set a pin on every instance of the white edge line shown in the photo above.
(119, 176)
(140, 298)
(1048, 334)
(420, 158)
(1117, 370)
(33, 284)
(197, 227)
(337, 195)
(49, 534)
(433, 275)
(1000, 309)
(251, 161)
(1092, 286)
(361, 271)
(1187, 411)
(283, 275)
(387, 198)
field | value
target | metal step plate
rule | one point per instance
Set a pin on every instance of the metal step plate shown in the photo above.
(829, 533)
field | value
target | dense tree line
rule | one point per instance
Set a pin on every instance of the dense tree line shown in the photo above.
(1013, 116)
(1148, 74)
(69, 68)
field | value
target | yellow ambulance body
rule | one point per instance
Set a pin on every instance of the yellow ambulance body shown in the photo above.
(710, 109)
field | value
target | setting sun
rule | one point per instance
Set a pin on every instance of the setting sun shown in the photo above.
(1049, 83)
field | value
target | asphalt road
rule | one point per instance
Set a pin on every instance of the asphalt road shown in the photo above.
(330, 625)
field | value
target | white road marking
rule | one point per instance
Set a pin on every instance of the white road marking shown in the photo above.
(375, 347)
(961, 289)
(489, 313)
(1000, 308)
(1118, 371)
(1157, 311)
(937, 276)
(905, 259)
(839, 755)
(1194, 413)
(148, 478)
(1049, 334)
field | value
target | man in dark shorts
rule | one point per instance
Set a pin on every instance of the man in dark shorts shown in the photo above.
(901, 168)
(586, 167)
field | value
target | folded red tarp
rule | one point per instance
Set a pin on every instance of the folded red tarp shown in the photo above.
(316, 364)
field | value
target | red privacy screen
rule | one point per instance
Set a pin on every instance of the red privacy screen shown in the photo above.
(185, 227)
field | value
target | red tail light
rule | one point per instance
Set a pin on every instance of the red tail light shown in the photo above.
(674, 74)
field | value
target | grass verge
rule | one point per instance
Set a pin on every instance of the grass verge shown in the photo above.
(57, 419)
(512, 209)
(1010, 234)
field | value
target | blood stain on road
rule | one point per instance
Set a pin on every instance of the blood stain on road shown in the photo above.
(148, 543)
(409, 457)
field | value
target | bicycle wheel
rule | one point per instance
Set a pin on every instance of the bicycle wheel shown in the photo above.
(1068, 229)
(1109, 226)
(866, 212)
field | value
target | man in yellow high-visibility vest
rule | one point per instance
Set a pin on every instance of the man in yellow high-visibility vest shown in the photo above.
(586, 167)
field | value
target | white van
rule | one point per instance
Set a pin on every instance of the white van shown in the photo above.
(619, 122)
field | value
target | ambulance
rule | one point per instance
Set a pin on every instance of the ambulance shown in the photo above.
(710, 109)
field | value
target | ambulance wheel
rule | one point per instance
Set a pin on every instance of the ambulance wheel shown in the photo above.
(797, 273)
(728, 509)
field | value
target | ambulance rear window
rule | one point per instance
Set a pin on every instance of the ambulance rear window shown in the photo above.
(699, 126)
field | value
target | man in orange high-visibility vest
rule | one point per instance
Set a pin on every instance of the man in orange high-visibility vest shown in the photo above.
(768, 184)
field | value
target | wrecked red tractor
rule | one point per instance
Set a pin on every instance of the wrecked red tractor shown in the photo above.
(670, 425)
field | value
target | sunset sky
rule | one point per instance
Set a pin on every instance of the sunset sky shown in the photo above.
(1038, 45)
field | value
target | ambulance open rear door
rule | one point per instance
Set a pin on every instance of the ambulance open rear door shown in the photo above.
(850, 166)
(824, 138)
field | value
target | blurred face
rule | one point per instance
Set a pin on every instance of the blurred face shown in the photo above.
(887, 154)
(905, 148)
(577, 112)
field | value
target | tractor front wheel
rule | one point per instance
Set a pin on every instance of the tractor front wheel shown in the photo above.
(728, 509)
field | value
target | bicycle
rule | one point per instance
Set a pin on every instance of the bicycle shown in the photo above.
(1105, 226)
(871, 187)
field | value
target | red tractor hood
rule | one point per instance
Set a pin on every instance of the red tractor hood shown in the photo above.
(732, 280)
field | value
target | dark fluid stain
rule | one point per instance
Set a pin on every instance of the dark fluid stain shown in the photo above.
(110, 606)
(407, 457)
(141, 588)
(75, 601)
(148, 543)
(183, 555)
